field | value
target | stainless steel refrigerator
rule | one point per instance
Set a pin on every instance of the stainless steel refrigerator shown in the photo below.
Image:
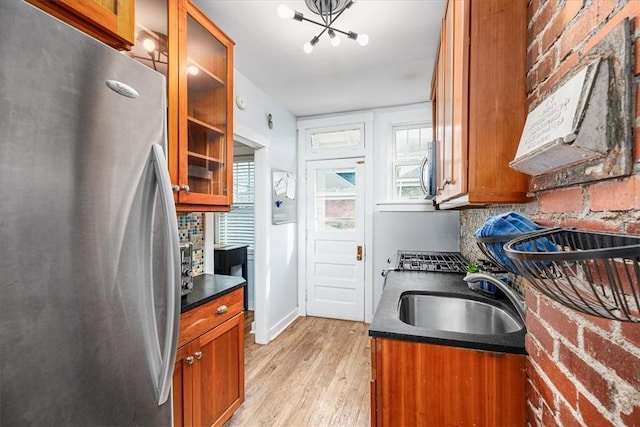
(89, 250)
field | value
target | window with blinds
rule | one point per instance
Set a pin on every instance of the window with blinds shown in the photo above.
(237, 226)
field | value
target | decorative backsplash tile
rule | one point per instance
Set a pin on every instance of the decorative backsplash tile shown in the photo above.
(192, 224)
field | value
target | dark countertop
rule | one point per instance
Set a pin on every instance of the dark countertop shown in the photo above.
(207, 287)
(228, 247)
(386, 323)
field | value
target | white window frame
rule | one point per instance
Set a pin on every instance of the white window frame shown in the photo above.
(384, 142)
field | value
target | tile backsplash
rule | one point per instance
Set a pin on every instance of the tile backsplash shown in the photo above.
(192, 224)
(472, 219)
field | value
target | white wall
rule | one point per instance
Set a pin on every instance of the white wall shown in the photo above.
(281, 293)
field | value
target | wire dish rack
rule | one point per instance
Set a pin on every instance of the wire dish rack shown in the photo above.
(492, 248)
(592, 272)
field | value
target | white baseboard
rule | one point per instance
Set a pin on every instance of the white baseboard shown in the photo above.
(283, 324)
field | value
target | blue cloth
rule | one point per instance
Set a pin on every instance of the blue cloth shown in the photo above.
(507, 224)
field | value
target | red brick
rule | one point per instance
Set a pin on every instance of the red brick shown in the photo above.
(559, 321)
(591, 18)
(561, 71)
(543, 394)
(564, 385)
(566, 416)
(548, 419)
(636, 68)
(533, 54)
(531, 299)
(546, 65)
(615, 195)
(569, 200)
(632, 418)
(631, 332)
(595, 383)
(633, 228)
(532, 417)
(597, 322)
(560, 22)
(542, 17)
(591, 224)
(532, 81)
(636, 139)
(610, 354)
(540, 333)
(590, 414)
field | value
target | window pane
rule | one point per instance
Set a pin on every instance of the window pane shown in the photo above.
(335, 200)
(337, 139)
(410, 146)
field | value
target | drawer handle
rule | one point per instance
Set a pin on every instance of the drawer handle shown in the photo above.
(198, 355)
(189, 360)
(222, 309)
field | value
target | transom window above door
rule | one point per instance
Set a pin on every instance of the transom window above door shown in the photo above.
(335, 141)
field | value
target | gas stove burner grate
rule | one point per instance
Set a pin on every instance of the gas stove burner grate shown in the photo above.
(442, 262)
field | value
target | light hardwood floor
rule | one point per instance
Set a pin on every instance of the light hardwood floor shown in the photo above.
(316, 373)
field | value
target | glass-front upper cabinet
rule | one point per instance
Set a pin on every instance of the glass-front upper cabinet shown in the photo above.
(176, 39)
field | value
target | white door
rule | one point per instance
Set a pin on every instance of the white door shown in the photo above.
(335, 239)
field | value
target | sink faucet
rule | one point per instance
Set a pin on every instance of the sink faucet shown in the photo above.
(515, 299)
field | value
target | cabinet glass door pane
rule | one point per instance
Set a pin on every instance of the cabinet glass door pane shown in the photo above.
(206, 110)
(151, 43)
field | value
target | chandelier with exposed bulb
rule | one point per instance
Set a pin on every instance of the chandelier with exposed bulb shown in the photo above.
(329, 11)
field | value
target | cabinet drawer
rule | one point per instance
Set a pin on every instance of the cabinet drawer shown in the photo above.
(195, 322)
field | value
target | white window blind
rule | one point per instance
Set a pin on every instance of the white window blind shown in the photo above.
(237, 226)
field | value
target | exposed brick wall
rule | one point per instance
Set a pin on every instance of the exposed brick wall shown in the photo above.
(581, 370)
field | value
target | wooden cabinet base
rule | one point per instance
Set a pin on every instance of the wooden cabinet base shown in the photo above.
(417, 384)
(208, 379)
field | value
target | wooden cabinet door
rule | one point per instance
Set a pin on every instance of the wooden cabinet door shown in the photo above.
(182, 389)
(205, 87)
(110, 21)
(453, 75)
(218, 381)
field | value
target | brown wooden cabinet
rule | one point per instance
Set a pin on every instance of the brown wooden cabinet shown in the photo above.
(479, 98)
(176, 39)
(110, 21)
(418, 384)
(208, 380)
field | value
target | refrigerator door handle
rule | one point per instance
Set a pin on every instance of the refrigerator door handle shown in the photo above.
(172, 274)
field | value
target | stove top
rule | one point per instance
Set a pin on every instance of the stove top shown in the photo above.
(441, 262)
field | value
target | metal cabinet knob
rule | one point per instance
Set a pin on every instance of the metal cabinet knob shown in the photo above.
(222, 309)
(175, 188)
(186, 188)
(189, 360)
(198, 355)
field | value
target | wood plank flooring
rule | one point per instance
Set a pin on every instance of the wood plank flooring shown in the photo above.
(316, 373)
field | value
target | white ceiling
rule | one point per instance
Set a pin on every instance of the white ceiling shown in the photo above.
(393, 69)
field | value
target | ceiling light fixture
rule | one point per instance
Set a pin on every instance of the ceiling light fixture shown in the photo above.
(329, 11)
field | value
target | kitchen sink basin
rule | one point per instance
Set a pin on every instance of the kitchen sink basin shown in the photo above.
(456, 314)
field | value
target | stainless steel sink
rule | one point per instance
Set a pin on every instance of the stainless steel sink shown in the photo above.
(456, 314)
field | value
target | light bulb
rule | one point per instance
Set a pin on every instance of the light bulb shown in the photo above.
(335, 41)
(285, 12)
(308, 47)
(363, 39)
(193, 70)
(148, 44)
